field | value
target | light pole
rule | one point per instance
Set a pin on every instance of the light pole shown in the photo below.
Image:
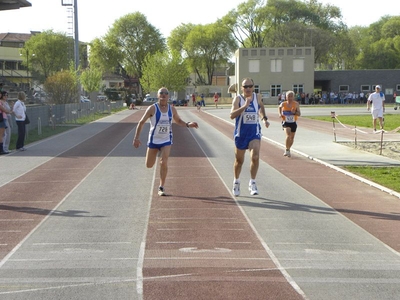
(76, 31)
(27, 69)
(28, 78)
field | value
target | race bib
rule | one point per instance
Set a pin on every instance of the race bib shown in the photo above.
(250, 118)
(289, 119)
(163, 129)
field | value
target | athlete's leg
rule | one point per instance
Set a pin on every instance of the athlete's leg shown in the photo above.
(254, 148)
(239, 159)
(165, 151)
(151, 157)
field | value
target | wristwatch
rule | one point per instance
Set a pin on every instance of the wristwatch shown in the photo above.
(265, 118)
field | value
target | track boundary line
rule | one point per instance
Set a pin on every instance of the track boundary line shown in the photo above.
(359, 178)
(15, 249)
(285, 274)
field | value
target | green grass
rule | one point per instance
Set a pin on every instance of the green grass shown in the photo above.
(391, 120)
(385, 176)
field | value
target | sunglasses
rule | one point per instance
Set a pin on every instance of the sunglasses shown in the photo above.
(248, 86)
(163, 93)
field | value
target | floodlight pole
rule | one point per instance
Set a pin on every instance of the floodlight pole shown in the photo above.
(76, 31)
(76, 35)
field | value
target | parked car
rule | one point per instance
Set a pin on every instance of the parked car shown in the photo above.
(101, 98)
(85, 99)
(150, 99)
(181, 103)
(39, 96)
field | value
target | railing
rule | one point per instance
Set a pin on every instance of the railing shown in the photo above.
(56, 114)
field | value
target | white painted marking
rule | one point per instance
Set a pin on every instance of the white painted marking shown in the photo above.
(196, 250)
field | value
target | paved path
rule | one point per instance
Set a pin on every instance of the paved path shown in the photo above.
(80, 219)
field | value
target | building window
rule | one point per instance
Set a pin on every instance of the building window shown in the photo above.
(256, 88)
(1, 65)
(298, 88)
(263, 52)
(276, 65)
(11, 65)
(289, 51)
(365, 88)
(299, 51)
(397, 87)
(276, 89)
(271, 52)
(254, 66)
(308, 51)
(281, 52)
(343, 88)
(254, 52)
(245, 52)
(298, 65)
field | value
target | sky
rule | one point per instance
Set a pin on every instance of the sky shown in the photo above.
(96, 17)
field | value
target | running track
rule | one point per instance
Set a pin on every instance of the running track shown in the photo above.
(198, 242)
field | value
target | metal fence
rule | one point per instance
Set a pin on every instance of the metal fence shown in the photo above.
(53, 114)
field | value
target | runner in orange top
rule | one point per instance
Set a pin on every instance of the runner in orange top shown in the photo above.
(289, 111)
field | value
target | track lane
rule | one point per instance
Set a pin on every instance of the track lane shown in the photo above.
(199, 245)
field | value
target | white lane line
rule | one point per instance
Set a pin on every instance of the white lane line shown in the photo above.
(99, 243)
(197, 229)
(139, 267)
(285, 274)
(201, 242)
(17, 220)
(97, 283)
(11, 253)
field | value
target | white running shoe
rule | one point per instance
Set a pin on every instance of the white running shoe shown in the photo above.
(161, 191)
(253, 189)
(236, 189)
(287, 153)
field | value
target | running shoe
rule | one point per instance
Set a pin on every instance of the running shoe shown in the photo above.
(287, 153)
(236, 189)
(253, 189)
(161, 191)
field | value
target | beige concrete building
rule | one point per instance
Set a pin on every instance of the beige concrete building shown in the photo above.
(276, 70)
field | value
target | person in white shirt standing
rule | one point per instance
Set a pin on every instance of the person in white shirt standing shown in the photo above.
(19, 110)
(378, 106)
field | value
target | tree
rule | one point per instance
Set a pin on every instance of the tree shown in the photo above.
(62, 87)
(126, 45)
(204, 48)
(163, 69)
(90, 79)
(287, 23)
(48, 52)
(249, 24)
(378, 44)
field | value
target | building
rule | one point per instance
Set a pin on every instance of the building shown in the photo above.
(356, 81)
(13, 74)
(276, 70)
